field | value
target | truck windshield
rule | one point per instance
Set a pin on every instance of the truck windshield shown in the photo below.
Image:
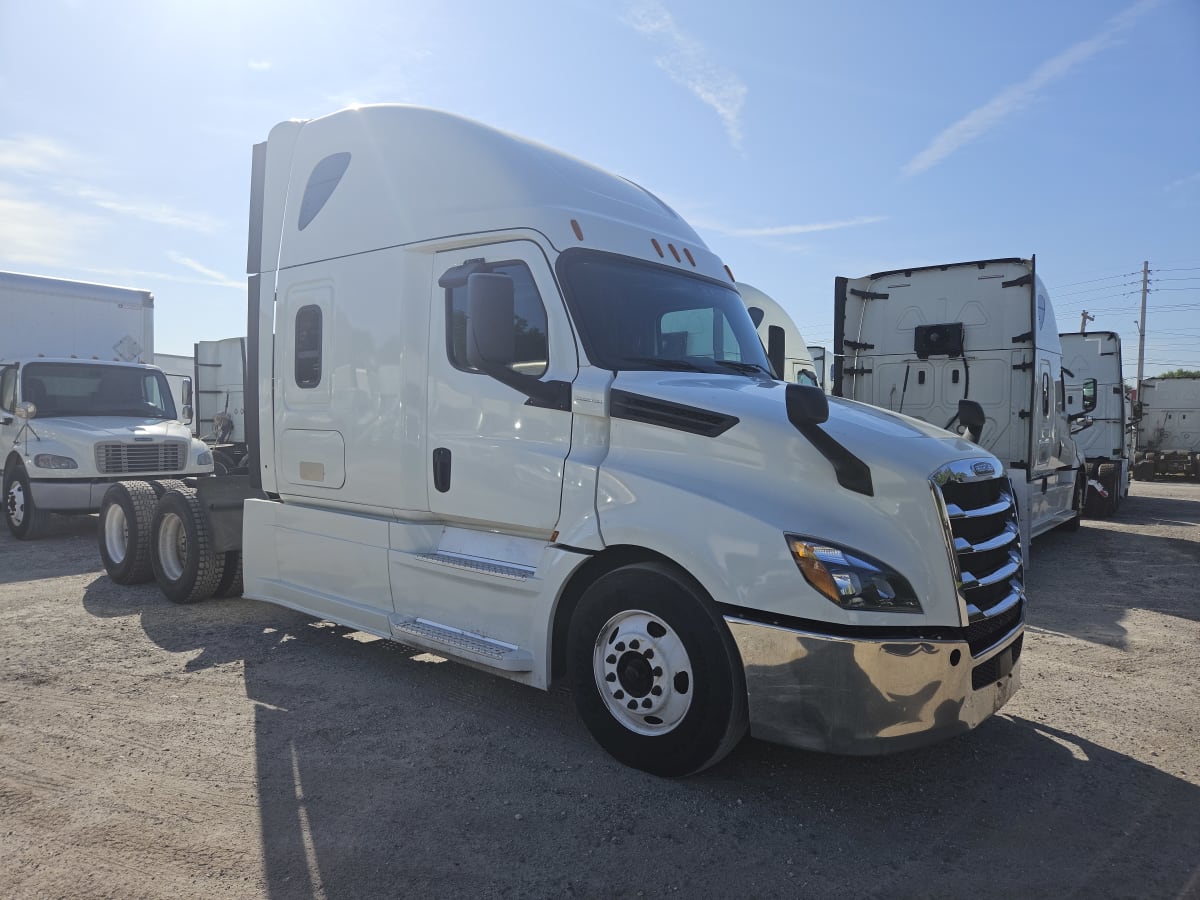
(637, 315)
(86, 389)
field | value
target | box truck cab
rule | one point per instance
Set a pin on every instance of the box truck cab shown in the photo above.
(1097, 404)
(509, 408)
(919, 340)
(78, 409)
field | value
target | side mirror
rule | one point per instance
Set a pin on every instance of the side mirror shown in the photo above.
(776, 350)
(1089, 394)
(187, 393)
(806, 405)
(186, 412)
(491, 340)
(971, 415)
(25, 410)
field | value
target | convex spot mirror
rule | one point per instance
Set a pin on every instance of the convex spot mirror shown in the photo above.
(25, 410)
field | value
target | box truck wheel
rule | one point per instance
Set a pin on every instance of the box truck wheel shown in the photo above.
(185, 565)
(24, 519)
(656, 676)
(126, 514)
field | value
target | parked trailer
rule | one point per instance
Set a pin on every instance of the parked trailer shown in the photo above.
(1169, 430)
(921, 339)
(509, 408)
(220, 379)
(1097, 404)
(79, 408)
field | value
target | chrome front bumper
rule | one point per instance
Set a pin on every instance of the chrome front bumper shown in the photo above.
(864, 697)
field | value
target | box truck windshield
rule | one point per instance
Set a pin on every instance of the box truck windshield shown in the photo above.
(82, 389)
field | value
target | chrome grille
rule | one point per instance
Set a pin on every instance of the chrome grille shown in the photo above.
(981, 515)
(120, 458)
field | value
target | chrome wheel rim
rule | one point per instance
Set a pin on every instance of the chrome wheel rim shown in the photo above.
(116, 533)
(643, 672)
(172, 546)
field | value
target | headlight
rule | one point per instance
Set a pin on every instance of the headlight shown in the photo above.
(851, 579)
(205, 458)
(51, 461)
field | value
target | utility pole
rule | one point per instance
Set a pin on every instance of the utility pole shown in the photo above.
(1142, 329)
(1083, 322)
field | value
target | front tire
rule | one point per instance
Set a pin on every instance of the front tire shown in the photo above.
(657, 678)
(185, 565)
(24, 519)
(123, 533)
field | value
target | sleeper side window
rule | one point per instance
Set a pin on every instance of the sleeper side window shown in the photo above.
(529, 319)
(308, 346)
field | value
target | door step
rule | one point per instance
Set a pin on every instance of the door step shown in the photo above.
(462, 644)
(477, 564)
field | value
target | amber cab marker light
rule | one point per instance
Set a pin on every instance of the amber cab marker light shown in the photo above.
(730, 274)
(674, 252)
(688, 254)
(657, 246)
(578, 231)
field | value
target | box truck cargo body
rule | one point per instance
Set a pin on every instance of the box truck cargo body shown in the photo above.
(1169, 430)
(919, 340)
(1096, 401)
(78, 408)
(509, 408)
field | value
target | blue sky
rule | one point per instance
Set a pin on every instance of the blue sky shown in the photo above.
(803, 140)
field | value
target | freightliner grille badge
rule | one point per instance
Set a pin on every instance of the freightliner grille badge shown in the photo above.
(984, 469)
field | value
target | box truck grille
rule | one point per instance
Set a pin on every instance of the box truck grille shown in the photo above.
(981, 514)
(117, 458)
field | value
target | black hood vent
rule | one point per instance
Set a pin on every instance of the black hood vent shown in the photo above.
(692, 419)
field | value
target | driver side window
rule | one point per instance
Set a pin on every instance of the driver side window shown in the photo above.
(8, 388)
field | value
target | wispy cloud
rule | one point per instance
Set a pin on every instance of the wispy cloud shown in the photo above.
(211, 276)
(777, 231)
(145, 211)
(1013, 99)
(33, 155)
(259, 65)
(1180, 183)
(35, 233)
(688, 62)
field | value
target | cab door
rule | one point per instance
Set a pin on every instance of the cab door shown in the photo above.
(496, 456)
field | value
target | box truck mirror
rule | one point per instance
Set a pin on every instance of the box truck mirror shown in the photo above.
(971, 415)
(491, 339)
(25, 410)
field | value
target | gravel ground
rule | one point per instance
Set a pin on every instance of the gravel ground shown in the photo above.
(236, 749)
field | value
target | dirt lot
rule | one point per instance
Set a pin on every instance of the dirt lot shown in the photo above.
(236, 749)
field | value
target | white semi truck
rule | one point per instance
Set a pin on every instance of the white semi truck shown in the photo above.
(179, 370)
(508, 408)
(78, 408)
(1169, 430)
(789, 355)
(1096, 401)
(919, 340)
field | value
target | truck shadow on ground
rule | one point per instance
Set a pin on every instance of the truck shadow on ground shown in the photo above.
(381, 772)
(54, 554)
(1133, 571)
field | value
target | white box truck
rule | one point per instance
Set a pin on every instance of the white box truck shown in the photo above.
(1169, 430)
(919, 340)
(220, 377)
(509, 408)
(179, 370)
(1096, 401)
(78, 408)
(789, 355)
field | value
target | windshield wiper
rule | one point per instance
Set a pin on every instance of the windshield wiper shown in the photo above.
(746, 367)
(660, 362)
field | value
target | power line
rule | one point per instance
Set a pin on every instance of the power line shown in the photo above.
(1094, 280)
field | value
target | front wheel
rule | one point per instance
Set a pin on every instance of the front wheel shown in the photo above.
(24, 519)
(186, 567)
(656, 676)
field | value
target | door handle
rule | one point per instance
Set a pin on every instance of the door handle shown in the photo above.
(441, 469)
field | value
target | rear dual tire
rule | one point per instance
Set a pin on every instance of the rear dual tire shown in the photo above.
(186, 567)
(124, 531)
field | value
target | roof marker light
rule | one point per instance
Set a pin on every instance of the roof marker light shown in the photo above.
(657, 246)
(730, 274)
(674, 252)
(578, 231)
(688, 254)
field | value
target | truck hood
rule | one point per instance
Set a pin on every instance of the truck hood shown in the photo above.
(113, 428)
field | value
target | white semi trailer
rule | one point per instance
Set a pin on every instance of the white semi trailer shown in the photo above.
(919, 340)
(220, 378)
(78, 408)
(509, 408)
(1096, 400)
(790, 356)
